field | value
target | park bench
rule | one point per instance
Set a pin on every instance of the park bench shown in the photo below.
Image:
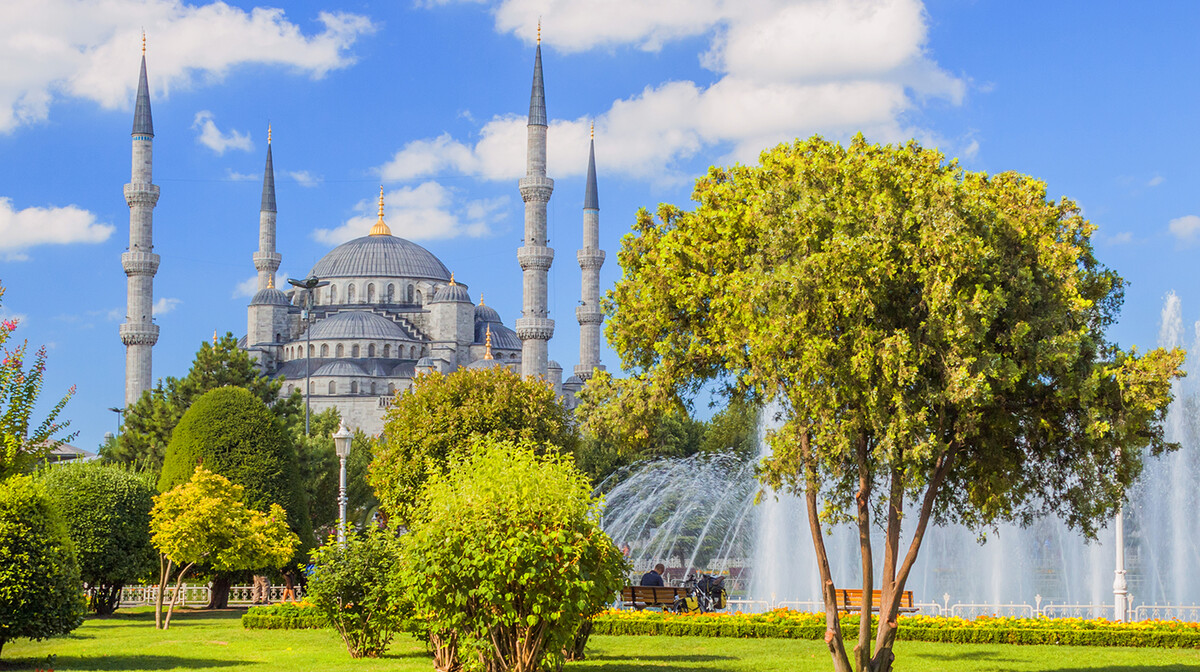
(640, 597)
(851, 600)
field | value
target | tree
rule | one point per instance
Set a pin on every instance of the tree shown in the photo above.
(232, 433)
(150, 421)
(21, 447)
(426, 429)
(933, 336)
(356, 587)
(40, 593)
(506, 559)
(206, 520)
(106, 508)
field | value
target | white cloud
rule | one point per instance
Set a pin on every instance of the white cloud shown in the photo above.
(89, 50)
(165, 305)
(212, 137)
(304, 178)
(1186, 228)
(1156, 180)
(1122, 238)
(19, 318)
(248, 287)
(784, 70)
(427, 211)
(235, 176)
(23, 229)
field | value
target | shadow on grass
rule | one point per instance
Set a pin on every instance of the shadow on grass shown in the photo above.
(607, 663)
(964, 655)
(1130, 668)
(129, 662)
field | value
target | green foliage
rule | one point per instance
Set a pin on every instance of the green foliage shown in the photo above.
(150, 421)
(21, 446)
(734, 429)
(426, 429)
(356, 588)
(106, 508)
(284, 616)
(317, 466)
(40, 591)
(207, 520)
(507, 557)
(233, 433)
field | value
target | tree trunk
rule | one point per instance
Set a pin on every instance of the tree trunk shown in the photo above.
(175, 598)
(889, 596)
(862, 652)
(445, 651)
(575, 651)
(164, 573)
(833, 627)
(218, 596)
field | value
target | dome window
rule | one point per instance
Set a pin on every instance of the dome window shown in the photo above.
(333, 387)
(341, 350)
(371, 350)
(324, 349)
(354, 351)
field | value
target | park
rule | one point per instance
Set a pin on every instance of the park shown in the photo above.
(873, 409)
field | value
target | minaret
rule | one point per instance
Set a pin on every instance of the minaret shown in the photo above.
(266, 260)
(591, 258)
(534, 327)
(138, 332)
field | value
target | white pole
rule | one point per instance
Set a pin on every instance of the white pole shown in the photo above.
(1120, 594)
(342, 501)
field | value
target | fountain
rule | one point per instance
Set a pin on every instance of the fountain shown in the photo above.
(698, 514)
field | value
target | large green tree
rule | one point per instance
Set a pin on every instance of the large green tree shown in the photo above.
(427, 428)
(933, 336)
(150, 421)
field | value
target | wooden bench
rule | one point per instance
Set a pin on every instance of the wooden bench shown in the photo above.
(851, 600)
(640, 597)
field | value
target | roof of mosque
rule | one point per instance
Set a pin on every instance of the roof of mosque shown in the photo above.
(358, 324)
(503, 338)
(380, 256)
(452, 293)
(271, 297)
(340, 367)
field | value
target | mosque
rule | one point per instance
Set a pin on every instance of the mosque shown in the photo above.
(386, 309)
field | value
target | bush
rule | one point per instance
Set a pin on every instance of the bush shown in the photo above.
(356, 589)
(506, 557)
(40, 594)
(284, 616)
(106, 508)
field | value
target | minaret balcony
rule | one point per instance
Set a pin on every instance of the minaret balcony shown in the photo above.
(535, 328)
(267, 261)
(141, 193)
(590, 260)
(536, 188)
(535, 257)
(588, 315)
(139, 334)
(139, 263)
(586, 371)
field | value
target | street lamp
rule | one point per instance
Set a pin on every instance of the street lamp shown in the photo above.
(341, 445)
(1120, 588)
(308, 285)
(120, 418)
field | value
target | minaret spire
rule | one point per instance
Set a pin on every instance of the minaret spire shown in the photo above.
(138, 332)
(266, 260)
(591, 258)
(534, 327)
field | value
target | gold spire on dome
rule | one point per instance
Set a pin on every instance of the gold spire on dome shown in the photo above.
(214, 336)
(271, 278)
(481, 301)
(380, 228)
(452, 282)
(487, 344)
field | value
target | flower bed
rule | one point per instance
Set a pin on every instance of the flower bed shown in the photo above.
(283, 616)
(984, 630)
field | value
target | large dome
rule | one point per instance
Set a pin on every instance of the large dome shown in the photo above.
(357, 324)
(380, 257)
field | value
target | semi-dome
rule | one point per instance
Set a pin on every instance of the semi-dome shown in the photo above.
(503, 338)
(340, 368)
(358, 324)
(270, 297)
(452, 293)
(381, 257)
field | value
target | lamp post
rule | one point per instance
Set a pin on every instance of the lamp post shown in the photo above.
(308, 285)
(1120, 588)
(341, 445)
(120, 418)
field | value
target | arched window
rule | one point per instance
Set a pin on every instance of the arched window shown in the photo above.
(312, 387)
(371, 350)
(372, 388)
(324, 349)
(354, 351)
(291, 388)
(312, 351)
(410, 293)
(350, 293)
(371, 293)
(391, 293)
(387, 350)
(341, 350)
(392, 389)
(354, 387)
(333, 294)
(418, 297)
(333, 387)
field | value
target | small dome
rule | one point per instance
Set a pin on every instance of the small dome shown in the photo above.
(574, 380)
(270, 297)
(503, 338)
(485, 313)
(357, 324)
(425, 362)
(485, 364)
(553, 365)
(453, 293)
(381, 257)
(340, 368)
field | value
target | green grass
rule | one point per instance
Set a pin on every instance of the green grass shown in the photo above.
(216, 641)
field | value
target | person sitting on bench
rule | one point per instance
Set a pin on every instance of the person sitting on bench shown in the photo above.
(654, 577)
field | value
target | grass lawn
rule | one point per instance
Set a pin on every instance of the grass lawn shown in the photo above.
(216, 641)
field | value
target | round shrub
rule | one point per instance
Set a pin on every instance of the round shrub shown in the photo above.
(40, 590)
(356, 588)
(106, 508)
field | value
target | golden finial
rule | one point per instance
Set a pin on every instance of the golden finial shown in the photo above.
(452, 278)
(539, 30)
(487, 344)
(381, 227)
(143, 41)
(481, 300)
(268, 132)
(271, 278)
(593, 131)
(214, 336)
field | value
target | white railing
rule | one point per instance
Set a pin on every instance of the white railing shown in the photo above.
(972, 611)
(193, 595)
(1077, 611)
(1167, 612)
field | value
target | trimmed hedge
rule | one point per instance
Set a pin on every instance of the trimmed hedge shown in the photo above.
(782, 623)
(285, 616)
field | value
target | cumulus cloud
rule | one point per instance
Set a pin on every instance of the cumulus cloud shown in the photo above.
(247, 288)
(784, 70)
(1155, 181)
(428, 211)
(1186, 229)
(234, 176)
(304, 178)
(23, 229)
(165, 305)
(89, 49)
(210, 136)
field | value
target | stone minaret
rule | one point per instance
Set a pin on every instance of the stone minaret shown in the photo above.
(535, 327)
(266, 260)
(138, 332)
(266, 319)
(591, 258)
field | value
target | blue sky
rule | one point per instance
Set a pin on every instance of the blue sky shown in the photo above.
(1098, 99)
